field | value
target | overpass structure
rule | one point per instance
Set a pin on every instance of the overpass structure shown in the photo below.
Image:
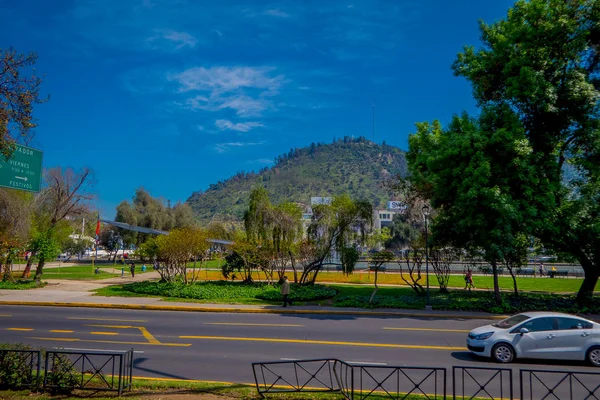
(152, 231)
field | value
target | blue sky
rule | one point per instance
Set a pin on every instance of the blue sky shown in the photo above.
(174, 95)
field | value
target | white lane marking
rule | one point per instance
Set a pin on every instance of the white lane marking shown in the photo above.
(288, 359)
(365, 363)
(80, 349)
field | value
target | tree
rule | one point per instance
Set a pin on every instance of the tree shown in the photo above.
(19, 91)
(15, 226)
(66, 194)
(332, 228)
(150, 212)
(377, 261)
(441, 259)
(485, 208)
(177, 249)
(413, 258)
(542, 62)
(349, 256)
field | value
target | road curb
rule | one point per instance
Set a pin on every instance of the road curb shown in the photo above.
(153, 307)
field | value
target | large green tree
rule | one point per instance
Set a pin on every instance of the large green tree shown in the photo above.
(477, 175)
(542, 61)
(151, 212)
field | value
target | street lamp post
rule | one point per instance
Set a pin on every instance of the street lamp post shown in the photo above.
(425, 211)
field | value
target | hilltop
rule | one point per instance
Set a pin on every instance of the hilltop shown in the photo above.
(358, 167)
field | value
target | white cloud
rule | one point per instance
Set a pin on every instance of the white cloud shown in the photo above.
(226, 79)
(165, 36)
(224, 124)
(277, 13)
(243, 89)
(243, 105)
(224, 147)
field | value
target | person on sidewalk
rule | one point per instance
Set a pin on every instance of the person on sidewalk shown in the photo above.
(285, 291)
(469, 280)
(132, 270)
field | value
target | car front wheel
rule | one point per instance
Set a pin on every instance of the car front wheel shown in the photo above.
(593, 356)
(503, 353)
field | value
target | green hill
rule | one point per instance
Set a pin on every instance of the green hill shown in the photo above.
(355, 166)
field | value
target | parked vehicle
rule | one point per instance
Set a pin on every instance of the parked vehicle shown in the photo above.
(542, 335)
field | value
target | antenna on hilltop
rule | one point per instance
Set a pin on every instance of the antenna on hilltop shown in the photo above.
(373, 123)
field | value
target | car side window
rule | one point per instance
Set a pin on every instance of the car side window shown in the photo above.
(540, 324)
(573, 323)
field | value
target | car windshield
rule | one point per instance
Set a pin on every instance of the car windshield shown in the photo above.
(510, 322)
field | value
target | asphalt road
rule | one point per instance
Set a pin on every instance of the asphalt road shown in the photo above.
(222, 346)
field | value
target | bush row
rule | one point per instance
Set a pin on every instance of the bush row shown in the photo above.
(222, 290)
(481, 301)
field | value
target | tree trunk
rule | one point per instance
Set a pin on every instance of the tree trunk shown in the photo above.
(497, 295)
(592, 273)
(376, 287)
(293, 261)
(27, 269)
(39, 271)
(514, 278)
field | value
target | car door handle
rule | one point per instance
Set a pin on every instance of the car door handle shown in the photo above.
(551, 336)
(584, 334)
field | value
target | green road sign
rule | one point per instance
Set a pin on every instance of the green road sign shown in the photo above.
(22, 171)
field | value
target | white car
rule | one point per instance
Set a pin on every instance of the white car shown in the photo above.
(544, 335)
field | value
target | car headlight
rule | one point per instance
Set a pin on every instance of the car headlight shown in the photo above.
(483, 336)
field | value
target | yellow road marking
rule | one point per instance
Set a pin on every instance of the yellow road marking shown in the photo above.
(245, 324)
(326, 342)
(147, 335)
(113, 342)
(108, 319)
(104, 333)
(19, 329)
(426, 329)
(5, 315)
(60, 331)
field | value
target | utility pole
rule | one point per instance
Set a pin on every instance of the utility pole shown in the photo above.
(373, 123)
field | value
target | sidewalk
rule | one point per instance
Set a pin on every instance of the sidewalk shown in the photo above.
(68, 293)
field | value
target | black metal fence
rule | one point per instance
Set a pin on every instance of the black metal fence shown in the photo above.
(88, 370)
(316, 375)
(398, 382)
(66, 370)
(364, 381)
(482, 383)
(560, 385)
(20, 368)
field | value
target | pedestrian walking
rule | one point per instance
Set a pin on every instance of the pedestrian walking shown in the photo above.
(541, 269)
(469, 280)
(132, 269)
(285, 291)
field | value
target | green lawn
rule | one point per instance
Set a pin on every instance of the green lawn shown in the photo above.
(527, 284)
(86, 272)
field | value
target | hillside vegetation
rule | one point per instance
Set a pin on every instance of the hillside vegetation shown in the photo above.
(358, 167)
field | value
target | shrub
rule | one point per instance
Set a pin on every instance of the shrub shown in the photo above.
(16, 369)
(231, 291)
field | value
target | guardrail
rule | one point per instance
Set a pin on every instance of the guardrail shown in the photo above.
(481, 382)
(65, 370)
(315, 375)
(25, 363)
(561, 385)
(364, 381)
(398, 382)
(88, 370)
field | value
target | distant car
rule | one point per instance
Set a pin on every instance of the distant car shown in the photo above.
(542, 335)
